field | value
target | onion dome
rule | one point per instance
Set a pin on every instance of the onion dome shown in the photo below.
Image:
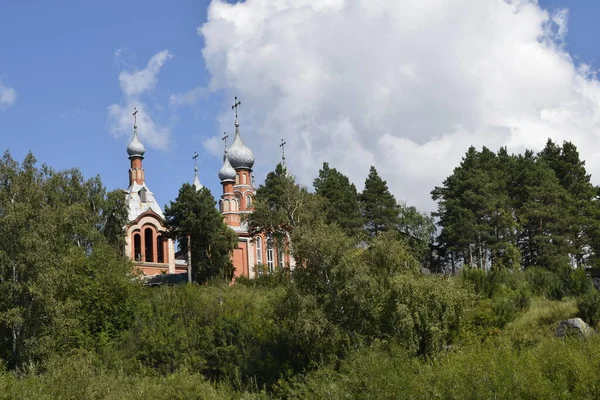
(197, 183)
(135, 148)
(227, 173)
(240, 155)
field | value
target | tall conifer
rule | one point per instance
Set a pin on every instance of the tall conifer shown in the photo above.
(341, 204)
(379, 207)
(194, 213)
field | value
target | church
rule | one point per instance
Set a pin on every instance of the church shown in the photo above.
(146, 240)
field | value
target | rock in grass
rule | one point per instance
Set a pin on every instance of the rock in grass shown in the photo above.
(573, 327)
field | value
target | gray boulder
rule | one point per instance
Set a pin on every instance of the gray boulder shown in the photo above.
(573, 326)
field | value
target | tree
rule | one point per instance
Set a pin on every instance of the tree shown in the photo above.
(193, 214)
(475, 211)
(583, 222)
(379, 207)
(281, 205)
(61, 285)
(114, 219)
(341, 204)
(417, 229)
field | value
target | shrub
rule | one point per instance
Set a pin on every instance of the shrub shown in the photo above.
(588, 306)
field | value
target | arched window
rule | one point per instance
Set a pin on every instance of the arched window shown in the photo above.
(137, 247)
(243, 179)
(280, 255)
(270, 255)
(237, 179)
(225, 205)
(259, 258)
(238, 200)
(160, 254)
(149, 244)
(248, 201)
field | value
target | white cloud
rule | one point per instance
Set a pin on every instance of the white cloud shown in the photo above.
(135, 85)
(189, 97)
(404, 85)
(8, 95)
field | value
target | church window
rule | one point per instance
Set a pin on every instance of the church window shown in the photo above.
(149, 244)
(237, 179)
(270, 255)
(160, 256)
(137, 247)
(248, 201)
(280, 255)
(142, 194)
(243, 179)
(238, 200)
(259, 259)
(225, 205)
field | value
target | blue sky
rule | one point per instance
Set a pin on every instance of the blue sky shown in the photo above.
(63, 59)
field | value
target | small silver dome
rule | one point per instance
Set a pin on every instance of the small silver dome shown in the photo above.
(227, 173)
(135, 148)
(240, 155)
(197, 183)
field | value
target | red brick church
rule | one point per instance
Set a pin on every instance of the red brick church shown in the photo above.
(153, 253)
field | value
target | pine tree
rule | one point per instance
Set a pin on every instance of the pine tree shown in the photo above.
(379, 207)
(583, 222)
(341, 204)
(193, 214)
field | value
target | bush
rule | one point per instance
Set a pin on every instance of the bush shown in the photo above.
(545, 283)
(588, 306)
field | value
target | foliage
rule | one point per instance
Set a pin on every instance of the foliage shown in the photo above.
(418, 230)
(378, 205)
(63, 284)
(341, 200)
(281, 205)
(589, 307)
(526, 210)
(193, 214)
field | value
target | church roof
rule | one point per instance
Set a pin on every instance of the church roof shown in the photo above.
(227, 173)
(135, 147)
(135, 206)
(240, 155)
(196, 182)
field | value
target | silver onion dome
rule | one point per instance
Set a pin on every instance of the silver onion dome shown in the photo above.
(227, 173)
(135, 148)
(240, 155)
(197, 183)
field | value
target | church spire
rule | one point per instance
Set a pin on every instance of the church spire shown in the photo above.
(135, 147)
(239, 154)
(196, 183)
(282, 145)
(136, 151)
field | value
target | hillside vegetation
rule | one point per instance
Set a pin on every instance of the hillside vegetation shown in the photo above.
(384, 305)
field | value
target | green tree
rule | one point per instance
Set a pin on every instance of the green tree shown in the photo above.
(341, 204)
(583, 211)
(61, 285)
(281, 205)
(114, 219)
(193, 214)
(379, 207)
(417, 229)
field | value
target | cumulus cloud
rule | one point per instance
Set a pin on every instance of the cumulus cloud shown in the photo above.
(134, 85)
(8, 95)
(406, 86)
